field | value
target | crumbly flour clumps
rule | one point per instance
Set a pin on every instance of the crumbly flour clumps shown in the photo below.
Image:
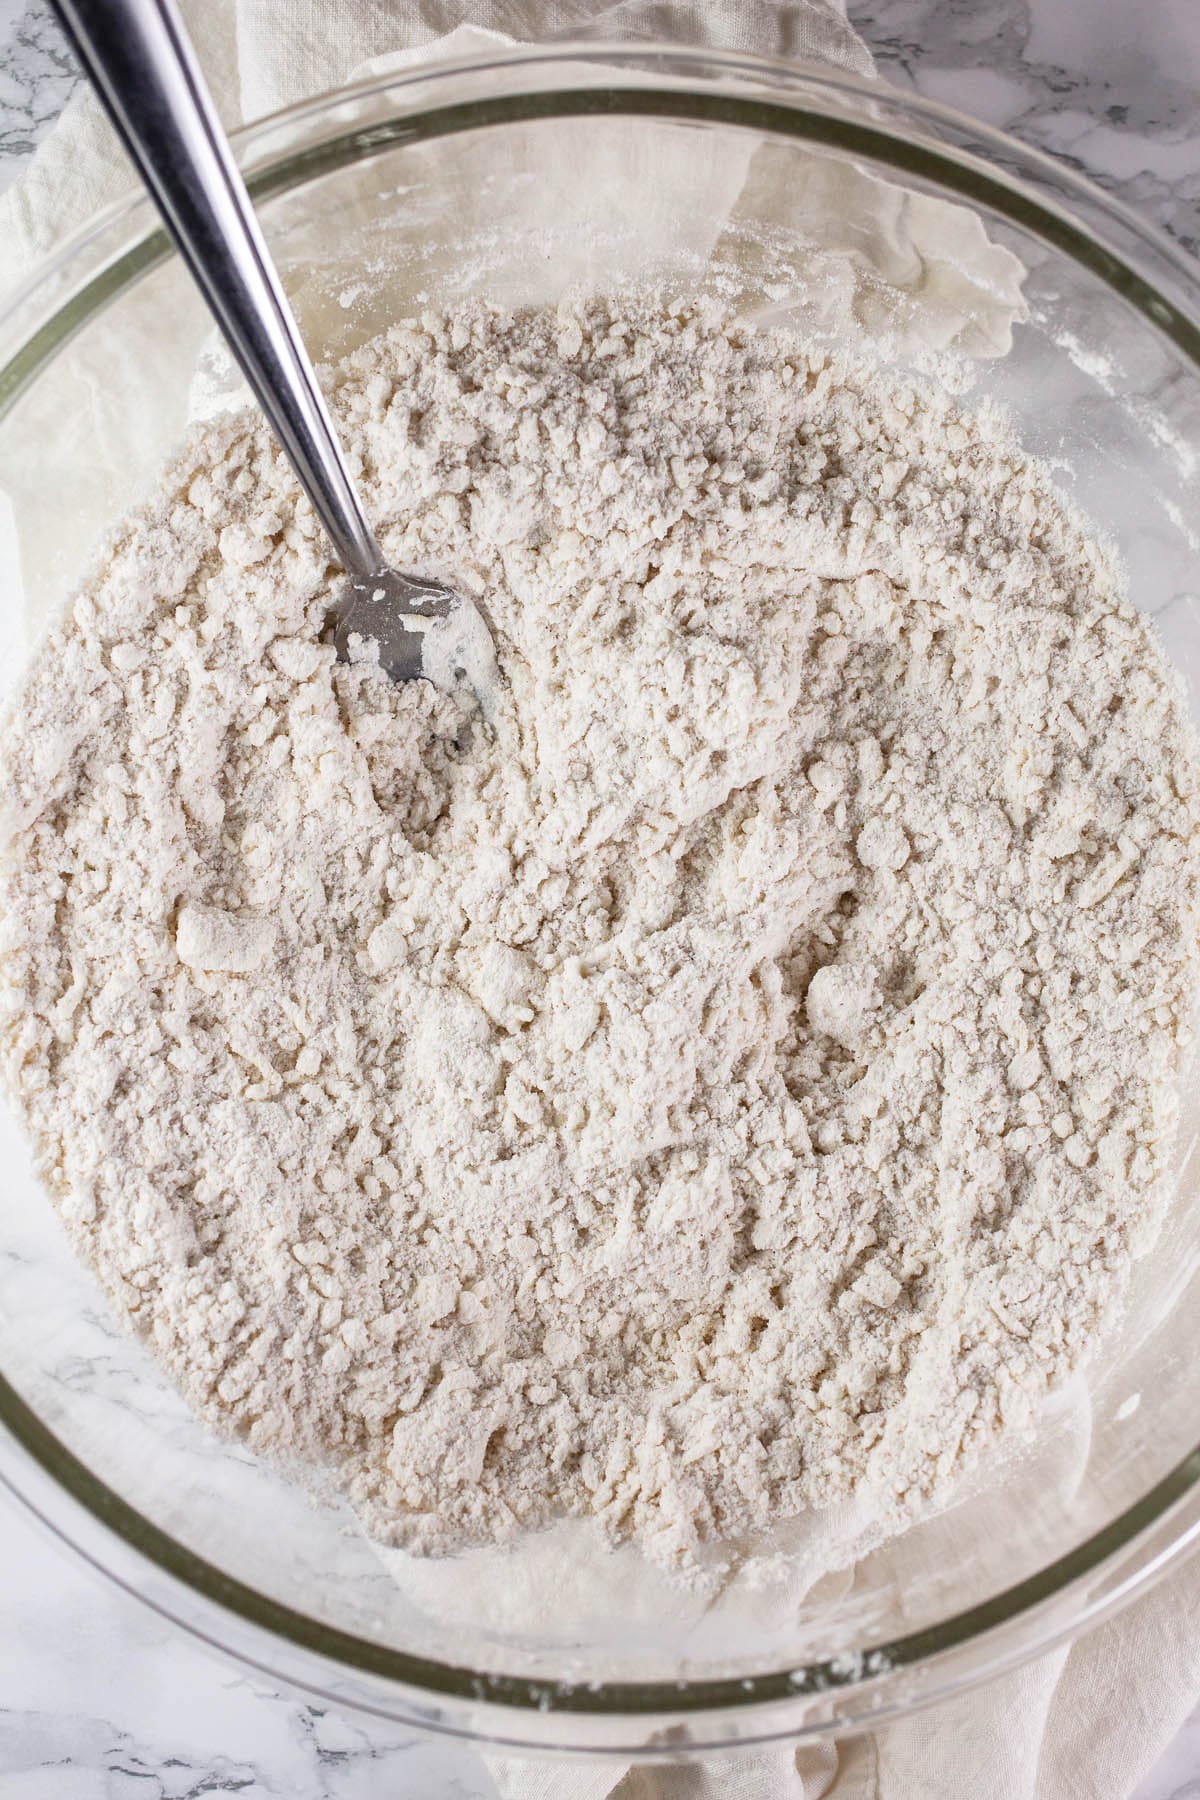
(736, 1076)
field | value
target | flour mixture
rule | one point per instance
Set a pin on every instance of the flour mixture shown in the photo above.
(735, 1076)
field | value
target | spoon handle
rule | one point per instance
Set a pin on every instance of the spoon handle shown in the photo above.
(144, 69)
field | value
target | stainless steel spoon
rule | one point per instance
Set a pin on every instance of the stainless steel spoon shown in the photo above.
(144, 69)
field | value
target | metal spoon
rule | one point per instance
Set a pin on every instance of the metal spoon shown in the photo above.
(144, 69)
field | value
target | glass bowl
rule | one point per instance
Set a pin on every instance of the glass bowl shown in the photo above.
(791, 193)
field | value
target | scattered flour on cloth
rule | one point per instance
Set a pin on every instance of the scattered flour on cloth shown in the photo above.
(735, 1079)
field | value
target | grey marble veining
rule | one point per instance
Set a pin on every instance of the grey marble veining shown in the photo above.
(1069, 77)
(101, 1699)
(37, 78)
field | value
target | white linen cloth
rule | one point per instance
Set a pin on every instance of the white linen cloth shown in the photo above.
(1083, 1723)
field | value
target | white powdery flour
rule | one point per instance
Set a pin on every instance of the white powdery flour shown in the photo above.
(736, 1078)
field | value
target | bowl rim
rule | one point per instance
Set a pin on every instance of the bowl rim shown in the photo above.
(797, 101)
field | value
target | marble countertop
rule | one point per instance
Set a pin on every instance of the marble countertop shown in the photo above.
(100, 1699)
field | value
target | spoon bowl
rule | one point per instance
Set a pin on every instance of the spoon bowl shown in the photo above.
(421, 628)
